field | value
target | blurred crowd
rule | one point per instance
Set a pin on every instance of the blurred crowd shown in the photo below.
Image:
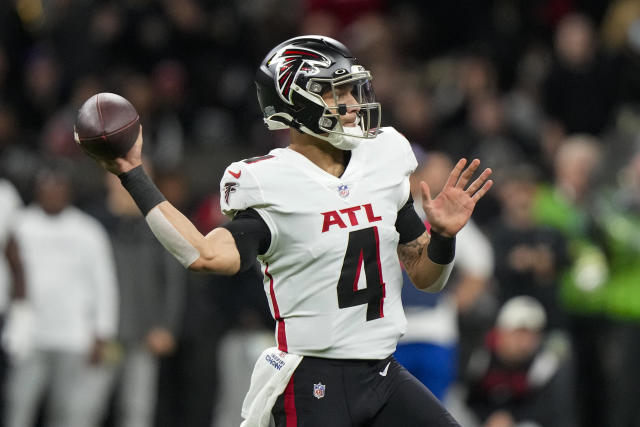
(540, 323)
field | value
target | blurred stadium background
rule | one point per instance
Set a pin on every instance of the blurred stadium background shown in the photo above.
(550, 86)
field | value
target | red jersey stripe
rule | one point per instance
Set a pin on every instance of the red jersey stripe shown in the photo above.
(281, 334)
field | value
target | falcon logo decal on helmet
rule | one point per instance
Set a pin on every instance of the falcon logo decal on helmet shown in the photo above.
(289, 62)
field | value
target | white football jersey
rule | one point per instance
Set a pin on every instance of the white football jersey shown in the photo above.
(331, 274)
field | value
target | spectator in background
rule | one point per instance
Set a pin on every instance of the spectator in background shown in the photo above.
(159, 98)
(243, 324)
(166, 126)
(524, 113)
(198, 386)
(10, 205)
(249, 330)
(41, 92)
(71, 289)
(56, 139)
(206, 378)
(17, 160)
(533, 256)
(460, 80)
(12, 291)
(151, 303)
(489, 129)
(414, 112)
(617, 219)
(621, 35)
(521, 377)
(485, 134)
(567, 204)
(579, 91)
(430, 347)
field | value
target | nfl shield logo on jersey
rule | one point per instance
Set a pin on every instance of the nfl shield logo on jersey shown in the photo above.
(343, 190)
(318, 390)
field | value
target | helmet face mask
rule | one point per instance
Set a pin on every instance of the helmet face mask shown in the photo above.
(295, 79)
(358, 83)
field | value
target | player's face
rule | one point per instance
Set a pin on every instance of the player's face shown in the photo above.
(53, 194)
(343, 95)
(517, 345)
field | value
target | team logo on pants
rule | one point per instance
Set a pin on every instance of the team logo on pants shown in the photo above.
(318, 390)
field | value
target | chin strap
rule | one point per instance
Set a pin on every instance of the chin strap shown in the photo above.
(295, 124)
(277, 122)
(337, 139)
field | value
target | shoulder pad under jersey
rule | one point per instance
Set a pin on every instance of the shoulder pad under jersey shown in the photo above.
(239, 187)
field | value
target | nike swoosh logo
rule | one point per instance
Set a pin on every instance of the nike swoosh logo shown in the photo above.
(236, 175)
(383, 373)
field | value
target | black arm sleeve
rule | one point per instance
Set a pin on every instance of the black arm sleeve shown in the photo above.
(143, 191)
(408, 223)
(252, 236)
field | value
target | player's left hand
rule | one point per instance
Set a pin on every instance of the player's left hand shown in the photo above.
(450, 210)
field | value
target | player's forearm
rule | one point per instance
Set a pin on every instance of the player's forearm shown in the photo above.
(18, 288)
(429, 276)
(428, 262)
(215, 253)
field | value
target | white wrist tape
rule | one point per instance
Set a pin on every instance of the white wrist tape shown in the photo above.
(441, 281)
(171, 238)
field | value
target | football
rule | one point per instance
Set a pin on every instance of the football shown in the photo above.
(107, 126)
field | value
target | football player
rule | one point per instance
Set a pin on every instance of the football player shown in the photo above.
(330, 219)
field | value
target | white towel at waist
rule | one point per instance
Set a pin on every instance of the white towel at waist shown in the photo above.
(270, 376)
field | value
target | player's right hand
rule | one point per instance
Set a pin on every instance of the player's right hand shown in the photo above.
(120, 165)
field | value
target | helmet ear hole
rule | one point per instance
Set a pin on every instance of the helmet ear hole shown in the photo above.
(316, 87)
(327, 123)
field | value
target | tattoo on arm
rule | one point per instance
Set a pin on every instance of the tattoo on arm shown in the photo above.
(412, 252)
